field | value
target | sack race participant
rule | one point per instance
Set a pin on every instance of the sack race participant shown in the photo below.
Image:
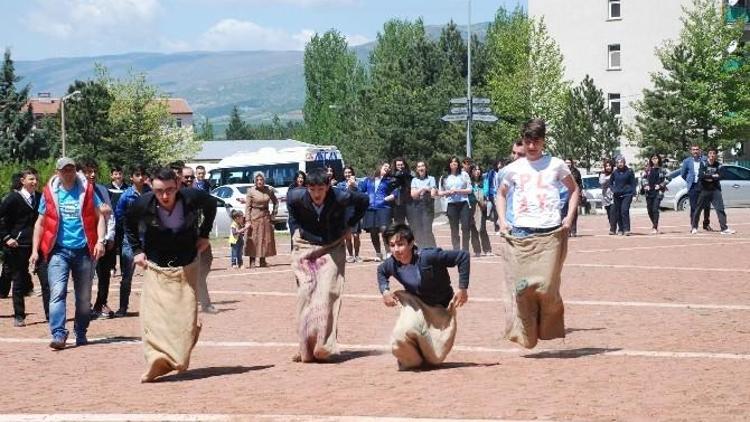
(318, 258)
(174, 236)
(426, 326)
(535, 246)
(533, 306)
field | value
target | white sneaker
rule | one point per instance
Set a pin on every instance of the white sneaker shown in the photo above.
(654, 231)
(728, 231)
(694, 231)
(358, 258)
(350, 259)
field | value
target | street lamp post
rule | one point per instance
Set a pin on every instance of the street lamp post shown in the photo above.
(62, 117)
(468, 88)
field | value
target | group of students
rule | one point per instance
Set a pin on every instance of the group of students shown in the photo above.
(701, 175)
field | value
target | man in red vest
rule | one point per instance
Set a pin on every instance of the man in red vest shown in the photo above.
(69, 234)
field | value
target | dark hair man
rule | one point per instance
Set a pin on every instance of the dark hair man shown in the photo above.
(18, 213)
(710, 192)
(318, 259)
(426, 325)
(200, 179)
(106, 263)
(173, 237)
(403, 176)
(138, 186)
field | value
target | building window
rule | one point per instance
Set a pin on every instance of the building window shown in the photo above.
(614, 9)
(179, 122)
(614, 56)
(614, 103)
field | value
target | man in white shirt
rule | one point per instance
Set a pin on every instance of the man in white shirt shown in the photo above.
(536, 180)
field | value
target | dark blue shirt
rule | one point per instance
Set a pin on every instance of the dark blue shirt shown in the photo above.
(431, 283)
(332, 221)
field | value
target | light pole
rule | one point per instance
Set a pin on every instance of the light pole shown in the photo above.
(62, 117)
(468, 88)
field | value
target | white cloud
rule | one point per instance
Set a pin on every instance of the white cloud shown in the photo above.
(95, 22)
(233, 34)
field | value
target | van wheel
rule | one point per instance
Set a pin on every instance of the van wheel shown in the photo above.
(683, 204)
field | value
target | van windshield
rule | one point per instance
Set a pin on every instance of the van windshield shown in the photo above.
(277, 175)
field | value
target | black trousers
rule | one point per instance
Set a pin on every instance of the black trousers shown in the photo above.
(620, 213)
(706, 199)
(400, 214)
(17, 259)
(104, 267)
(652, 205)
(459, 215)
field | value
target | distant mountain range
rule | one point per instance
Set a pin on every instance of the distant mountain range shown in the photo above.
(261, 83)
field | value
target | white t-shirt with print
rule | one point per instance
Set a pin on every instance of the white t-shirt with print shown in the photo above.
(536, 191)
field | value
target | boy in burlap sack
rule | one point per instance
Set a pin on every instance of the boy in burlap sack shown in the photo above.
(174, 236)
(536, 244)
(426, 326)
(318, 259)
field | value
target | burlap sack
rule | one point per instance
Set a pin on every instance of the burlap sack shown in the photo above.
(319, 271)
(423, 333)
(169, 318)
(533, 306)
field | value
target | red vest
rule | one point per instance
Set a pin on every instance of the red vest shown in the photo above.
(51, 222)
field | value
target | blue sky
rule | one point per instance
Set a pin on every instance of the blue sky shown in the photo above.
(36, 29)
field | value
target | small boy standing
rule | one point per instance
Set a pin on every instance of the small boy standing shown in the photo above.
(237, 237)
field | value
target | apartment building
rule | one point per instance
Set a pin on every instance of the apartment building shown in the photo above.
(614, 42)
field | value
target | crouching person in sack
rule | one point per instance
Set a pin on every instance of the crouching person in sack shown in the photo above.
(173, 237)
(426, 327)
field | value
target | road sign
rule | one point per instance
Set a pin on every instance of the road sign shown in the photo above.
(460, 100)
(484, 117)
(480, 100)
(481, 109)
(458, 110)
(454, 117)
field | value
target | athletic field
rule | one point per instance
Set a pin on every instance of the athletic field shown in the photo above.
(658, 328)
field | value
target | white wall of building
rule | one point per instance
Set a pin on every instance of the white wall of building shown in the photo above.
(584, 30)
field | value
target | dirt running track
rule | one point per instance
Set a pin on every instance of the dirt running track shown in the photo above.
(658, 328)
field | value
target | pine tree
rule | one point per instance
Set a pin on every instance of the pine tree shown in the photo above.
(588, 130)
(16, 124)
(237, 128)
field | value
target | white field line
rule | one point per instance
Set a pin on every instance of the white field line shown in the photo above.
(639, 267)
(683, 245)
(179, 417)
(468, 349)
(289, 270)
(629, 304)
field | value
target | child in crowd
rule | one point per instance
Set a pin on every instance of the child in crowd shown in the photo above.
(237, 237)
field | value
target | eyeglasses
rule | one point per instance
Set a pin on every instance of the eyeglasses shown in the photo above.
(167, 191)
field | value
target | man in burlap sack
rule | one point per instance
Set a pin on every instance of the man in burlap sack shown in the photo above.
(536, 244)
(173, 236)
(318, 258)
(426, 326)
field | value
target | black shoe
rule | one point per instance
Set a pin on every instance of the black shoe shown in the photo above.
(121, 313)
(708, 229)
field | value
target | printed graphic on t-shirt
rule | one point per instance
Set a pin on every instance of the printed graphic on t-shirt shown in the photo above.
(70, 210)
(536, 191)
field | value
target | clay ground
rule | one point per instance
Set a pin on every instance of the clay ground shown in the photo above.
(658, 328)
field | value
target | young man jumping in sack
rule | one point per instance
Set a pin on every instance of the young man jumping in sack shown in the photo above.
(426, 326)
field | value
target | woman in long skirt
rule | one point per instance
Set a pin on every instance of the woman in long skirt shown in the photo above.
(259, 238)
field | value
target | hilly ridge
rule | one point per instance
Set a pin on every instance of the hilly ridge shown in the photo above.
(260, 83)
